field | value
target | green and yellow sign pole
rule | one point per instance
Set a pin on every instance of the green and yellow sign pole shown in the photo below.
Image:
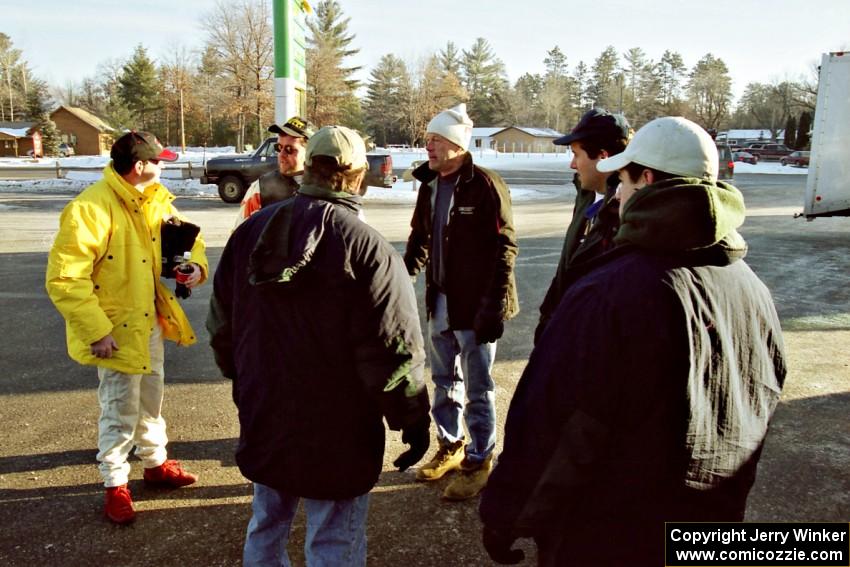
(290, 62)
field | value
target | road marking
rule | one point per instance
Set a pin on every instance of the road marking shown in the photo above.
(537, 257)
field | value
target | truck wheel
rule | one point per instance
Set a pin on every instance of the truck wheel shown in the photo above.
(231, 189)
(783, 161)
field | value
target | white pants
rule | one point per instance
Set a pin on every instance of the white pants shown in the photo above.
(130, 415)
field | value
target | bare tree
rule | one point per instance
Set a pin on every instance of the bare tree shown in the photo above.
(432, 89)
(241, 33)
(176, 73)
(9, 62)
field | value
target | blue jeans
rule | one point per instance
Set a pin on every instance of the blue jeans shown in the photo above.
(463, 386)
(336, 530)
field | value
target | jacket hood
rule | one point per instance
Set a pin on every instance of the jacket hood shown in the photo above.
(685, 214)
(286, 246)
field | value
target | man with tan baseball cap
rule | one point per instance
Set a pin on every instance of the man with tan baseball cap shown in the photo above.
(314, 319)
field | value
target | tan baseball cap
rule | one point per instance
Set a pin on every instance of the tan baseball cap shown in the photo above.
(341, 143)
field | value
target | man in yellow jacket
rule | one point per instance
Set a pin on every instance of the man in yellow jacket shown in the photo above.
(103, 275)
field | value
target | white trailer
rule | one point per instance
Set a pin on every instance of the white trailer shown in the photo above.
(828, 183)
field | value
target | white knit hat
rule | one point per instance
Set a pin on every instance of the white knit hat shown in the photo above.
(671, 144)
(454, 125)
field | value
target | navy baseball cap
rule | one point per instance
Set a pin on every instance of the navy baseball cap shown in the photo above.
(597, 124)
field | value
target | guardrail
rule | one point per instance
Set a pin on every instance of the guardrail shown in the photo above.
(186, 170)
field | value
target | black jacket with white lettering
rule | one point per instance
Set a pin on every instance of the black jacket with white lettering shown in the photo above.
(479, 242)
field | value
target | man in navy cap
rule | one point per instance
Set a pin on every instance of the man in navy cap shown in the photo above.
(659, 408)
(598, 135)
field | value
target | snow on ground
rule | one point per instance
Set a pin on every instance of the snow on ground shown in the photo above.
(401, 191)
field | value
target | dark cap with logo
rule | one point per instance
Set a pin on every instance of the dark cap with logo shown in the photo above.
(295, 126)
(597, 124)
(140, 146)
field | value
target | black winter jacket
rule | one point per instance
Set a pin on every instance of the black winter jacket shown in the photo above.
(589, 235)
(314, 318)
(658, 409)
(479, 242)
(275, 187)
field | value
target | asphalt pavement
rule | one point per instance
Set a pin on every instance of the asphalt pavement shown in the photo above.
(50, 491)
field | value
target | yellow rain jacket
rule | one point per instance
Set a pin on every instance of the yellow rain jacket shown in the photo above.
(103, 273)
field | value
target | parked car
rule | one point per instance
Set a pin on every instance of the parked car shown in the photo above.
(745, 157)
(768, 151)
(65, 150)
(798, 159)
(233, 174)
(725, 162)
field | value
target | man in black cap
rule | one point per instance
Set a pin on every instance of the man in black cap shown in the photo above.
(598, 135)
(282, 183)
(103, 275)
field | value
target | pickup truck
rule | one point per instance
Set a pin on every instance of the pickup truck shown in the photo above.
(768, 151)
(233, 174)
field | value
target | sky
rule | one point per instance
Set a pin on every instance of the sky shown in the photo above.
(759, 40)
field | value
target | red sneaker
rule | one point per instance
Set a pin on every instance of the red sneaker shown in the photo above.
(171, 474)
(119, 505)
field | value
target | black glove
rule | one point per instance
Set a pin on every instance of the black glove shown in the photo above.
(498, 546)
(488, 327)
(418, 436)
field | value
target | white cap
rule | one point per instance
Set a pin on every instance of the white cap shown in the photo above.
(454, 125)
(671, 144)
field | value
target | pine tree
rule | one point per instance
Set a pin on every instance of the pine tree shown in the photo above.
(385, 98)
(449, 59)
(524, 101)
(710, 90)
(671, 70)
(483, 76)
(804, 128)
(330, 86)
(38, 102)
(634, 74)
(604, 86)
(791, 132)
(582, 96)
(139, 86)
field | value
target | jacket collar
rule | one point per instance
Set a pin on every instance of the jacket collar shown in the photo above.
(132, 196)
(467, 171)
(352, 202)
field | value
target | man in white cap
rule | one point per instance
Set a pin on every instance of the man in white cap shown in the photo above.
(463, 237)
(659, 409)
(314, 318)
(283, 182)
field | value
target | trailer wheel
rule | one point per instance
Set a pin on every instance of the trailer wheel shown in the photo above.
(231, 189)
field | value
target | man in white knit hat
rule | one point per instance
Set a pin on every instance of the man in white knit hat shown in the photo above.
(463, 238)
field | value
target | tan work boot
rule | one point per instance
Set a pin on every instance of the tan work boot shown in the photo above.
(472, 480)
(447, 458)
